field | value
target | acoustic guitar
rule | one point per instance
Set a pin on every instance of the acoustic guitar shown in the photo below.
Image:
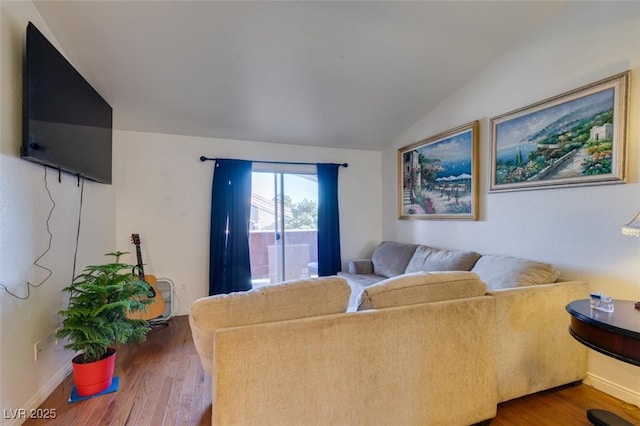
(157, 307)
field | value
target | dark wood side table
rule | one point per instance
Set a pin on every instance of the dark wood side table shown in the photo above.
(616, 334)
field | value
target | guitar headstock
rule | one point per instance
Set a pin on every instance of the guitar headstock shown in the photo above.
(135, 239)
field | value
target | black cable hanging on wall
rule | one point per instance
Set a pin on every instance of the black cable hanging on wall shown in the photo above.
(28, 285)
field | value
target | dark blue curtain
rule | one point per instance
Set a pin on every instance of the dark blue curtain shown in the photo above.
(229, 267)
(329, 261)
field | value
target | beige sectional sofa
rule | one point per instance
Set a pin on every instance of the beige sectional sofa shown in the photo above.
(534, 349)
(275, 364)
(423, 347)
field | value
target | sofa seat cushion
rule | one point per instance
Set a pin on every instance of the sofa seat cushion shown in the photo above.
(430, 259)
(285, 301)
(362, 280)
(391, 258)
(500, 272)
(421, 287)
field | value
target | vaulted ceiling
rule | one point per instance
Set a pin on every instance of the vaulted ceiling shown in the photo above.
(353, 74)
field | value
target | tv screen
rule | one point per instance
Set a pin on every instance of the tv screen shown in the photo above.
(66, 123)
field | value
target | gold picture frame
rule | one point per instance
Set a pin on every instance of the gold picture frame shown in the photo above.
(576, 138)
(438, 176)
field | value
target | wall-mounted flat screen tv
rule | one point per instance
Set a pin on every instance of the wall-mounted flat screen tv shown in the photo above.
(67, 125)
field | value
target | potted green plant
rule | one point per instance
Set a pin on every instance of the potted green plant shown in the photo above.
(96, 319)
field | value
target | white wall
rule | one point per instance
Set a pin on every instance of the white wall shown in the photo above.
(24, 207)
(163, 193)
(576, 229)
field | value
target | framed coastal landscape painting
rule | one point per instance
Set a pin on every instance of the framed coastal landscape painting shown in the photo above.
(438, 176)
(576, 138)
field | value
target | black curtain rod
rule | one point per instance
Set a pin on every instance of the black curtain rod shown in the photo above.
(203, 158)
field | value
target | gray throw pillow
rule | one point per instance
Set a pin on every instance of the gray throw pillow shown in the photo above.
(391, 258)
(500, 272)
(430, 259)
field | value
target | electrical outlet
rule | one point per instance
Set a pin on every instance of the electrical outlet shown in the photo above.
(43, 345)
(37, 350)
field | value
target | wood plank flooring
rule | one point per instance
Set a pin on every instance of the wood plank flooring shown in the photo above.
(565, 406)
(162, 383)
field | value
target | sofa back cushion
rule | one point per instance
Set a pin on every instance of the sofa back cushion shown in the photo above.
(430, 259)
(391, 258)
(500, 272)
(289, 300)
(421, 287)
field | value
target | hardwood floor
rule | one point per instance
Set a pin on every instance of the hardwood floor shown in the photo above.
(162, 383)
(566, 406)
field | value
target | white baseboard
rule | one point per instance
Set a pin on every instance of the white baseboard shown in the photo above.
(627, 395)
(41, 395)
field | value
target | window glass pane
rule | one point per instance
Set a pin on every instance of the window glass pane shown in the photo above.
(283, 235)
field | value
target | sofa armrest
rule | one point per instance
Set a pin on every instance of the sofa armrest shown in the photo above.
(361, 266)
(535, 350)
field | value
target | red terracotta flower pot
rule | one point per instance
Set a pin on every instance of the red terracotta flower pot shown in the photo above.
(93, 377)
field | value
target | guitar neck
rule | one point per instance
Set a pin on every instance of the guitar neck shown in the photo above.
(140, 268)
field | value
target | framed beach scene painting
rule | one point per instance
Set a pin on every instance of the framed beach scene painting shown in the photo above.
(437, 176)
(577, 138)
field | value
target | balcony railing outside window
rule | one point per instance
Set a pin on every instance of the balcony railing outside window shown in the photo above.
(301, 255)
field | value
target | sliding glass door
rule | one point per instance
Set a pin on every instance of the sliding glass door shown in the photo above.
(283, 235)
